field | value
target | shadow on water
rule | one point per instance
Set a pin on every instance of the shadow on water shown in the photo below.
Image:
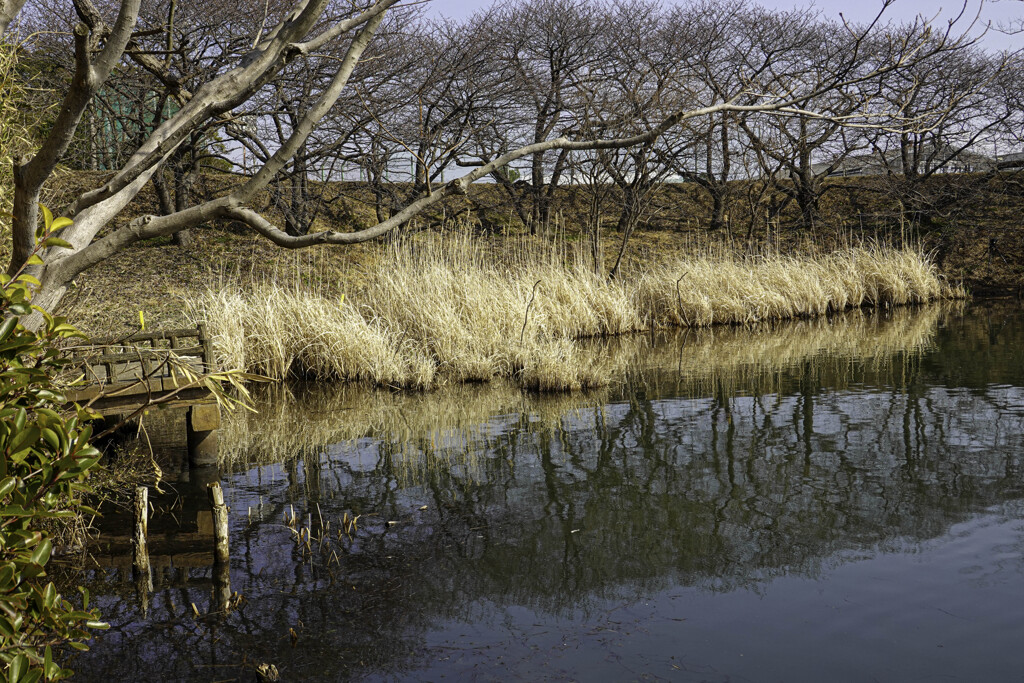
(727, 462)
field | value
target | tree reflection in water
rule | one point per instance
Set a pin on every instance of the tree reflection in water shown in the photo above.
(726, 459)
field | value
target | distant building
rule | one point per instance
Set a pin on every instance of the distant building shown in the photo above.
(1012, 160)
(891, 161)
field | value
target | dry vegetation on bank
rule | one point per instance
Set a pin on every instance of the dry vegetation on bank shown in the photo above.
(441, 309)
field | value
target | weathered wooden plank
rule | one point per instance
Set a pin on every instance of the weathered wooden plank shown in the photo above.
(127, 371)
(126, 403)
(144, 336)
(137, 353)
(84, 394)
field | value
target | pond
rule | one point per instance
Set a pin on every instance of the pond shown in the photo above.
(835, 500)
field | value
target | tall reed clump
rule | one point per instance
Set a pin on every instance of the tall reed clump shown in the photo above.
(725, 289)
(283, 331)
(440, 308)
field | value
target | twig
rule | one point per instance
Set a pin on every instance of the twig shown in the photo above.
(679, 298)
(526, 317)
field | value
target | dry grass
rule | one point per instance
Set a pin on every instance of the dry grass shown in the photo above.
(441, 309)
(424, 430)
(722, 289)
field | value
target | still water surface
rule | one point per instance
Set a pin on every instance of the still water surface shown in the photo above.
(833, 500)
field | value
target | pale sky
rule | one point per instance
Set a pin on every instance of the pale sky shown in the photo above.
(995, 11)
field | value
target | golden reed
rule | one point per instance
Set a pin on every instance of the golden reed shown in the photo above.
(442, 309)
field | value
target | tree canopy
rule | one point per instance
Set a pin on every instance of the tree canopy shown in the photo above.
(528, 95)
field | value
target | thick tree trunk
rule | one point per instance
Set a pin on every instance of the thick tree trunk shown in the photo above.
(717, 209)
(183, 239)
(807, 200)
(539, 209)
(163, 194)
(25, 218)
(184, 181)
(169, 203)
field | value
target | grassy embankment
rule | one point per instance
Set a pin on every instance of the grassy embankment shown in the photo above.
(436, 310)
(982, 246)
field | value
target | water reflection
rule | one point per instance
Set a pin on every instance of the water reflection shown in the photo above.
(727, 461)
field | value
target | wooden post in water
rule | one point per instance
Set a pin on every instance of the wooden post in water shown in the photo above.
(140, 552)
(203, 419)
(202, 422)
(221, 550)
(140, 549)
(221, 553)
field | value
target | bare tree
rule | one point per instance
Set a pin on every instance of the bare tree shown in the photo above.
(353, 132)
(810, 147)
(1012, 26)
(546, 48)
(958, 107)
(718, 68)
(642, 75)
(439, 102)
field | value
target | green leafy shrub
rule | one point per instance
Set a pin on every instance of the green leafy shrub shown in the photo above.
(46, 460)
